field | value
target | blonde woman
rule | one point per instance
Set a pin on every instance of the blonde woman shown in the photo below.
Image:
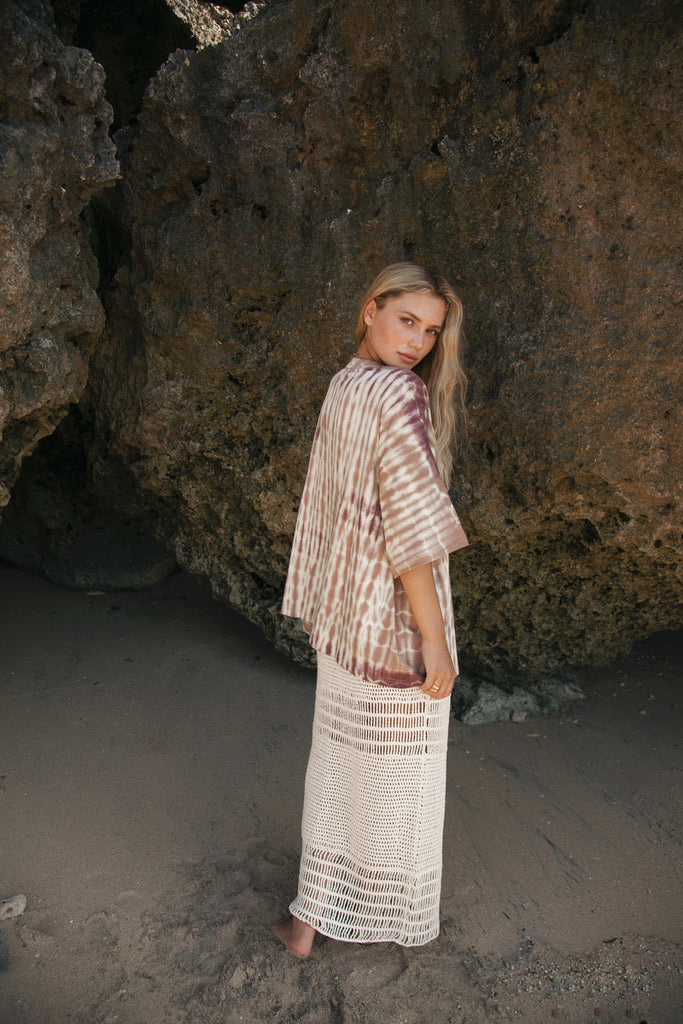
(369, 579)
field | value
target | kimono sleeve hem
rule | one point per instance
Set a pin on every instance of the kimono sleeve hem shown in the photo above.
(429, 555)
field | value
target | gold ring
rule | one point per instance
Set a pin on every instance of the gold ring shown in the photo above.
(434, 688)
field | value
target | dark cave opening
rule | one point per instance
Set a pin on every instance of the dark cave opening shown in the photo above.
(58, 526)
(130, 40)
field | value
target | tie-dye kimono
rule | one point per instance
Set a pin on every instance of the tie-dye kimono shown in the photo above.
(373, 507)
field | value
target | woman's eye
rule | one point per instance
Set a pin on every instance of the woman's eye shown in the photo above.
(406, 320)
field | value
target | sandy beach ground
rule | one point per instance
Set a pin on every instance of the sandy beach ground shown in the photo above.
(152, 754)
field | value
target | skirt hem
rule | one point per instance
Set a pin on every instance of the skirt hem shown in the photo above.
(330, 932)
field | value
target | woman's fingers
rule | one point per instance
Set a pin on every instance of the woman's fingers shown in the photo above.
(438, 687)
(439, 669)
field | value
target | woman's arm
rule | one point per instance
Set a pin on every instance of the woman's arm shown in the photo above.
(424, 603)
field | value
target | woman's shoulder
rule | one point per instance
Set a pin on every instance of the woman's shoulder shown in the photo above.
(386, 380)
(377, 390)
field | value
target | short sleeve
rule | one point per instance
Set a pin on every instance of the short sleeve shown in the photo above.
(419, 522)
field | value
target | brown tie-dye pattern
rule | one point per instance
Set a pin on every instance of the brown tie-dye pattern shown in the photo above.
(373, 506)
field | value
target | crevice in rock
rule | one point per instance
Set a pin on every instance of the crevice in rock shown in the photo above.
(55, 524)
(130, 40)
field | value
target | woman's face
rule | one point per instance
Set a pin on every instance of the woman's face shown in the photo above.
(404, 330)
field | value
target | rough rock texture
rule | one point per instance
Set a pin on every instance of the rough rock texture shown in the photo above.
(529, 149)
(55, 154)
(129, 39)
(477, 702)
(212, 22)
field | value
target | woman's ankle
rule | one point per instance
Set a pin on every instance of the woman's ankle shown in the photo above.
(295, 934)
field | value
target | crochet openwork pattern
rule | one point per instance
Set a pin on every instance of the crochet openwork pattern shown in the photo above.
(373, 811)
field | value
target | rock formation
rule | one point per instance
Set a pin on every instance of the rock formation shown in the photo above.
(528, 149)
(212, 22)
(55, 154)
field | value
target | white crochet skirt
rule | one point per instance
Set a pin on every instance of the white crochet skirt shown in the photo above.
(373, 814)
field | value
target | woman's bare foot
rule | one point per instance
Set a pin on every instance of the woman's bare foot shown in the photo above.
(296, 935)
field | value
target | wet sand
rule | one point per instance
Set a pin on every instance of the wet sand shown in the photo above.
(152, 753)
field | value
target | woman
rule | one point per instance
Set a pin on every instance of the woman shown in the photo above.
(369, 579)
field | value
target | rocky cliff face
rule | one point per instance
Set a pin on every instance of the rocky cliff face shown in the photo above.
(55, 155)
(530, 150)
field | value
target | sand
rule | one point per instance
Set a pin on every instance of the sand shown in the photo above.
(152, 753)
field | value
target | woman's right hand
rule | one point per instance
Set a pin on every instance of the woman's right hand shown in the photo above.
(440, 675)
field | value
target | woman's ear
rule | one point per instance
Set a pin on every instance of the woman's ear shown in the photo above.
(369, 311)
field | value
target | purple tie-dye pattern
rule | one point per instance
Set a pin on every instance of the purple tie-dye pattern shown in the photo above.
(373, 507)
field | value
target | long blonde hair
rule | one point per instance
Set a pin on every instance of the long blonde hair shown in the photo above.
(442, 369)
